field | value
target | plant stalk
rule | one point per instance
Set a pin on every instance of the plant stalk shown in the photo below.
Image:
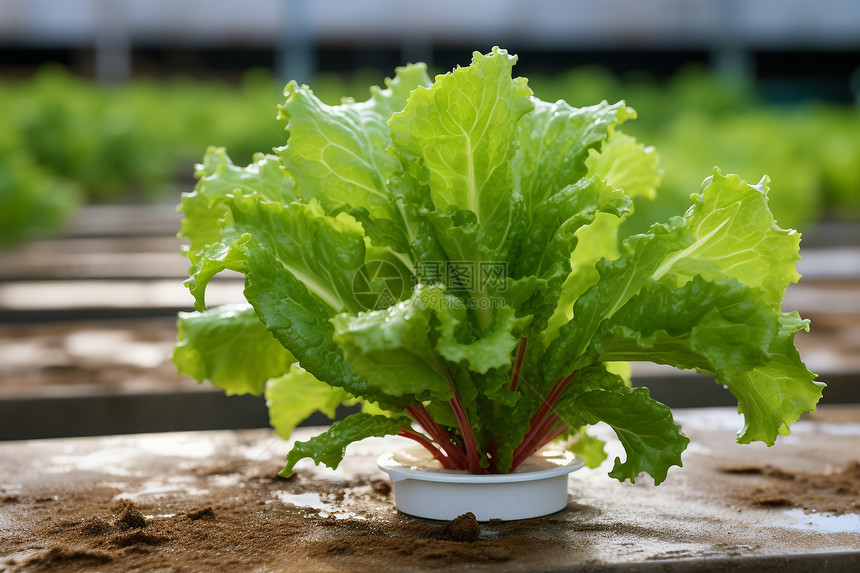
(539, 425)
(420, 415)
(555, 433)
(469, 441)
(521, 354)
(428, 445)
(534, 440)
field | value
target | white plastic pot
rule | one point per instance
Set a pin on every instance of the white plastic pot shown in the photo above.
(423, 489)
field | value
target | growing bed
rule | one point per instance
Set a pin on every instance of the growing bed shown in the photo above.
(209, 500)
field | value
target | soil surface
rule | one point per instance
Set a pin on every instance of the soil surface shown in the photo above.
(837, 492)
(213, 501)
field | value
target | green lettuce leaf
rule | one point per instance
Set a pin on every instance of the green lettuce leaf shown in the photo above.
(727, 233)
(774, 395)
(589, 448)
(329, 447)
(230, 347)
(463, 129)
(393, 348)
(546, 246)
(626, 164)
(324, 252)
(218, 177)
(730, 230)
(297, 394)
(339, 154)
(553, 143)
(726, 329)
(601, 236)
(721, 325)
(651, 438)
(733, 330)
(492, 349)
(299, 320)
(546, 249)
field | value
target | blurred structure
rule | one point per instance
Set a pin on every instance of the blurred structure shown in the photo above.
(119, 38)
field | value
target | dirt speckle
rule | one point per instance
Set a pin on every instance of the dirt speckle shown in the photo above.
(773, 502)
(206, 513)
(136, 537)
(382, 487)
(94, 526)
(835, 492)
(743, 470)
(404, 539)
(60, 557)
(465, 528)
(128, 516)
(226, 467)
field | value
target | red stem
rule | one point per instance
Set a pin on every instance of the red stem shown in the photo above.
(555, 433)
(534, 441)
(444, 460)
(548, 424)
(469, 441)
(437, 433)
(537, 426)
(550, 401)
(521, 354)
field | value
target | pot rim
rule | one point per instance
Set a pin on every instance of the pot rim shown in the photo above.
(400, 471)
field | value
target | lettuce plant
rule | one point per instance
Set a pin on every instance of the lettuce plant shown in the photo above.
(445, 253)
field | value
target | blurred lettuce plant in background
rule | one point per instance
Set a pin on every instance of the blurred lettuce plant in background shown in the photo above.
(66, 140)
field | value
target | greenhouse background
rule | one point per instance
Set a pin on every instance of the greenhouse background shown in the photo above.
(108, 105)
